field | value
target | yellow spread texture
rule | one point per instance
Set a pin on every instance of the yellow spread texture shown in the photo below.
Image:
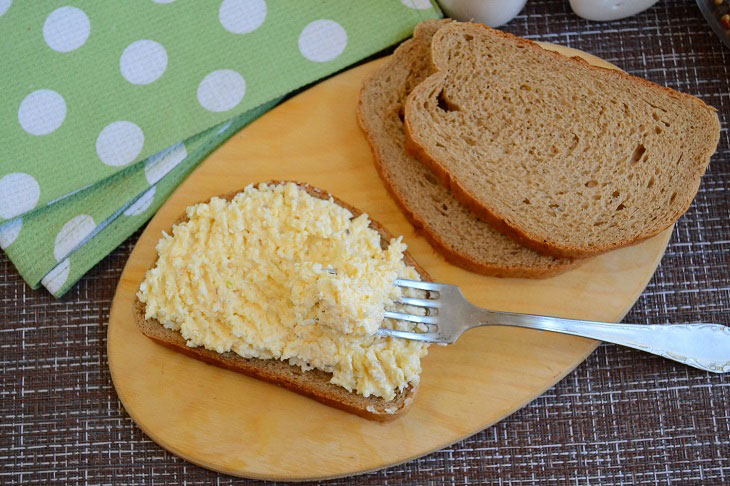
(277, 273)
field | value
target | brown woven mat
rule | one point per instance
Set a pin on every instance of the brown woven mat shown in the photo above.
(622, 417)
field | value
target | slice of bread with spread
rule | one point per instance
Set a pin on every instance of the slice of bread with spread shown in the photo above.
(312, 383)
(450, 227)
(568, 159)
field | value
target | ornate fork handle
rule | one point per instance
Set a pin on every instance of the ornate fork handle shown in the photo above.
(704, 346)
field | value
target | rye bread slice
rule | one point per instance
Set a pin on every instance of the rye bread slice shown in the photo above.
(314, 384)
(451, 228)
(568, 159)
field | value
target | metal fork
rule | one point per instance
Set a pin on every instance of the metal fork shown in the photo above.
(449, 314)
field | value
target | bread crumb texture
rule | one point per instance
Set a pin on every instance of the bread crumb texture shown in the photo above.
(450, 227)
(572, 158)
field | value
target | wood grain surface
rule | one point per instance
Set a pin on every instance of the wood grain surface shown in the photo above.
(241, 426)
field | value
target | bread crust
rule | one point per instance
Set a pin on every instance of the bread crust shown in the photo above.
(523, 236)
(451, 255)
(314, 384)
(435, 240)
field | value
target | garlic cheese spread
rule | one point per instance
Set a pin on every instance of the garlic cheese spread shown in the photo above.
(279, 274)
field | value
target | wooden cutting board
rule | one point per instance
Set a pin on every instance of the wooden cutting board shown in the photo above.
(241, 426)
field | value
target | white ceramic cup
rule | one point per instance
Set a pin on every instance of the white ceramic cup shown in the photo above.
(602, 10)
(491, 12)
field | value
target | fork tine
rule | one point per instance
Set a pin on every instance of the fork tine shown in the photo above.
(428, 337)
(419, 302)
(417, 284)
(399, 316)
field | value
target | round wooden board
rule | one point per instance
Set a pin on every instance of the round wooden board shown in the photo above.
(241, 426)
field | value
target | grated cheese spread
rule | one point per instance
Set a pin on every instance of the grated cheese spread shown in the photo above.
(279, 274)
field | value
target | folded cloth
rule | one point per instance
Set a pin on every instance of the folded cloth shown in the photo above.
(59, 244)
(109, 107)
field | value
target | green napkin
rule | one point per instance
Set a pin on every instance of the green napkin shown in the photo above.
(90, 223)
(108, 106)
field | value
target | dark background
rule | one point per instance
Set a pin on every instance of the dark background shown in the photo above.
(622, 417)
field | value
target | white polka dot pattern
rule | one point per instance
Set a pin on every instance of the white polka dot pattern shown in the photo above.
(119, 143)
(242, 16)
(221, 90)
(4, 6)
(143, 62)
(56, 278)
(72, 234)
(158, 165)
(19, 193)
(141, 204)
(9, 232)
(322, 40)
(42, 112)
(103, 90)
(417, 4)
(66, 29)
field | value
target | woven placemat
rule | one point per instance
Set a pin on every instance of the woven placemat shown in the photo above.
(623, 417)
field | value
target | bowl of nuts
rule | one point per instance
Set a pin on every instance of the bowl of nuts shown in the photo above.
(717, 14)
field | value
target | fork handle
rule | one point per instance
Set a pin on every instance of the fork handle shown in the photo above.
(703, 346)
